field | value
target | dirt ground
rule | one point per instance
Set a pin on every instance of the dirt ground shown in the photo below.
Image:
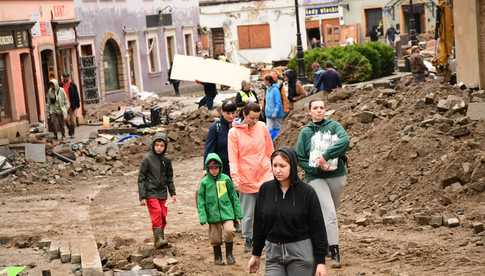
(107, 207)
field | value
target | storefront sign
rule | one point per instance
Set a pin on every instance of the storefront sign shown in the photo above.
(321, 11)
(6, 40)
(66, 36)
(14, 39)
(21, 39)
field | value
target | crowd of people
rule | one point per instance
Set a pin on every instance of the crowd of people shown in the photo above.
(247, 182)
(62, 106)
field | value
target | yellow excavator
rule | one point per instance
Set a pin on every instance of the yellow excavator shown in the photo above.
(445, 36)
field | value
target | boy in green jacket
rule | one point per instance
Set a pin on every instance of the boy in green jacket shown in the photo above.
(321, 148)
(218, 205)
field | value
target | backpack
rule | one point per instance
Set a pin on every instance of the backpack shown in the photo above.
(284, 99)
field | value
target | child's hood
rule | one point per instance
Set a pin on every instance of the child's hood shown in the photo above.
(212, 157)
(160, 136)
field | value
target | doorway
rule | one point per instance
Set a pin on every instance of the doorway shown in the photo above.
(419, 18)
(133, 58)
(111, 60)
(217, 42)
(30, 96)
(48, 67)
(170, 49)
(313, 34)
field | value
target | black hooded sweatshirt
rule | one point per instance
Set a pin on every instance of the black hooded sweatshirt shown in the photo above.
(156, 173)
(290, 217)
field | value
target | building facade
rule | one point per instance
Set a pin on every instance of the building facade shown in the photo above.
(263, 31)
(37, 41)
(385, 13)
(469, 24)
(125, 44)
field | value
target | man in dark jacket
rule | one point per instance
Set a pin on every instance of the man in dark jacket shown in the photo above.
(175, 83)
(155, 181)
(330, 79)
(216, 141)
(72, 94)
(210, 92)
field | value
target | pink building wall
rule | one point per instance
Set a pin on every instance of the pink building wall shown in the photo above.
(42, 11)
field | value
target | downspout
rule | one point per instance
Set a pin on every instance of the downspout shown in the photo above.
(34, 72)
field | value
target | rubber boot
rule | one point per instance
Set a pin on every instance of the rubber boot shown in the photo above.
(229, 257)
(163, 241)
(335, 255)
(156, 237)
(218, 255)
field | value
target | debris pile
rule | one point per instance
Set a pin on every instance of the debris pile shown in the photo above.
(414, 151)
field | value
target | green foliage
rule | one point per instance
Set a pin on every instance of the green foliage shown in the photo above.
(355, 63)
(387, 54)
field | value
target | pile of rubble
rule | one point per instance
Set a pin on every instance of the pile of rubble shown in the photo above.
(417, 151)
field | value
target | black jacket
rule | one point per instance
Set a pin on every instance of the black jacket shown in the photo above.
(156, 173)
(217, 142)
(330, 80)
(290, 217)
(74, 102)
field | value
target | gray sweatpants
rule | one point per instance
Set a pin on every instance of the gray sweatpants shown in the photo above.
(328, 192)
(248, 202)
(290, 259)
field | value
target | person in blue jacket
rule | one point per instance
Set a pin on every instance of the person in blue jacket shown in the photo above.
(273, 106)
(216, 141)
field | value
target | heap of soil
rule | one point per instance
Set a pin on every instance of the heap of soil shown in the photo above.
(407, 155)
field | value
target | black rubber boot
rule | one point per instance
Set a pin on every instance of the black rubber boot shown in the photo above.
(156, 237)
(163, 241)
(218, 255)
(335, 255)
(229, 257)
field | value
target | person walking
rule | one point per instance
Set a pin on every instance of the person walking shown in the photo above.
(273, 110)
(71, 90)
(216, 141)
(287, 218)
(175, 83)
(249, 149)
(321, 148)
(218, 205)
(317, 75)
(57, 107)
(155, 182)
(390, 36)
(210, 93)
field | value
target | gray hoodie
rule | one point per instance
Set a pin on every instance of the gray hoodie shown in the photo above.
(156, 173)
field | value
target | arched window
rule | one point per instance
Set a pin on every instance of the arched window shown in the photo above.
(111, 60)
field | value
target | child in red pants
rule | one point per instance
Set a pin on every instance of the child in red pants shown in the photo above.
(155, 182)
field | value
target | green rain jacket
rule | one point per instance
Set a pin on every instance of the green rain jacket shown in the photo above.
(217, 200)
(60, 104)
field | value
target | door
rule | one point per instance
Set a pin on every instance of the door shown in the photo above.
(131, 57)
(331, 36)
(170, 48)
(48, 68)
(217, 42)
(110, 64)
(29, 89)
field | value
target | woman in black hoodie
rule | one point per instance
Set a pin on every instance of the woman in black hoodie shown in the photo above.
(287, 215)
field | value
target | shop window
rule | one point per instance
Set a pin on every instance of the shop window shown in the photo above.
(188, 45)
(5, 109)
(254, 36)
(153, 60)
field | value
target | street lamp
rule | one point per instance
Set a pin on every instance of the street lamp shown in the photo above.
(412, 25)
(299, 47)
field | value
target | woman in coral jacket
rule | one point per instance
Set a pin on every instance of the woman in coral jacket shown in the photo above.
(249, 148)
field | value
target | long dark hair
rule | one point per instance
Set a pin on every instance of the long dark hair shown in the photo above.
(291, 75)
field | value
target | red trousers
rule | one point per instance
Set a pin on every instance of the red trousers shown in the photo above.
(158, 212)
